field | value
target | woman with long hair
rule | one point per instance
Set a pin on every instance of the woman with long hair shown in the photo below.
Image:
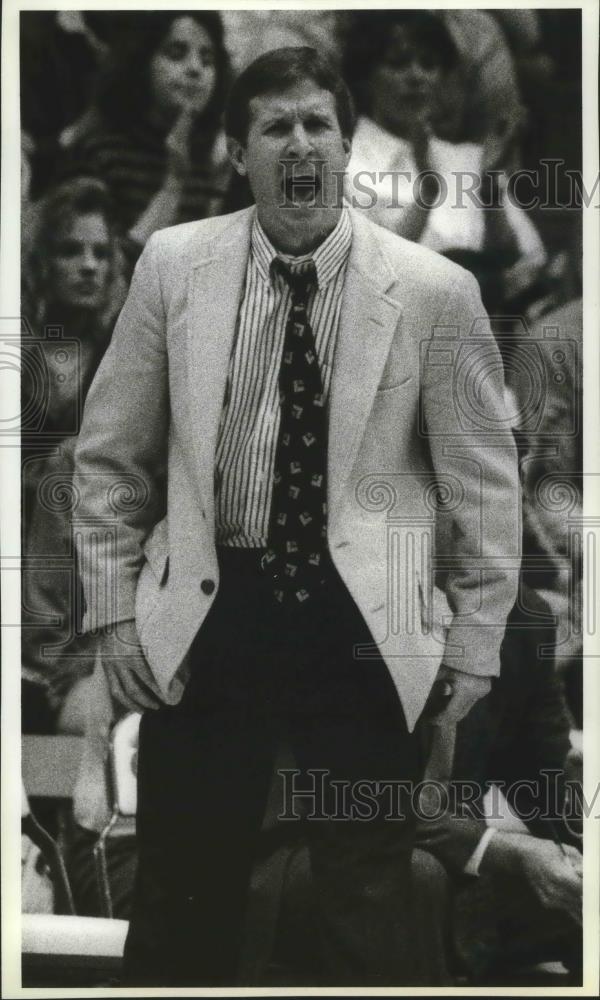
(72, 278)
(159, 147)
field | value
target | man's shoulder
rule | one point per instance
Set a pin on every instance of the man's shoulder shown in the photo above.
(188, 236)
(408, 261)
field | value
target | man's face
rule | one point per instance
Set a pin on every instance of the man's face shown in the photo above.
(294, 157)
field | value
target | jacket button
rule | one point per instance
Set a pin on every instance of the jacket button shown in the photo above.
(207, 587)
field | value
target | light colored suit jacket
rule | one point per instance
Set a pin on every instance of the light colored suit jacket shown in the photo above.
(422, 473)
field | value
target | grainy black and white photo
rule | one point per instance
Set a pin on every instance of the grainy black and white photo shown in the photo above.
(302, 593)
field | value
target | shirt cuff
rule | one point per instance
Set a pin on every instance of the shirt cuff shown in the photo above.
(472, 865)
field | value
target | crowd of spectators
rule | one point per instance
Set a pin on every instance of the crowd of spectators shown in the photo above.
(122, 134)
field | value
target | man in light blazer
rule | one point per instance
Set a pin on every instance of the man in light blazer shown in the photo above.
(231, 629)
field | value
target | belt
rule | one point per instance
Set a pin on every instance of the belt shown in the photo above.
(240, 561)
(250, 562)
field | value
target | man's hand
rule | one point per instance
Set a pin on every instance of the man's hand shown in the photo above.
(467, 689)
(129, 677)
(555, 879)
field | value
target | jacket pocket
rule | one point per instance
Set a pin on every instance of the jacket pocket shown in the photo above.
(392, 387)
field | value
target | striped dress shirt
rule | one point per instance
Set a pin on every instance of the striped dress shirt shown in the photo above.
(249, 425)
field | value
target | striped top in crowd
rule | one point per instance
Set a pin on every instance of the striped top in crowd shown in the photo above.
(133, 166)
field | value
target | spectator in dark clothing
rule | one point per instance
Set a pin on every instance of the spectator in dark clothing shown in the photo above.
(526, 904)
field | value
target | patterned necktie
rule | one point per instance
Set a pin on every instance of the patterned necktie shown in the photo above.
(298, 524)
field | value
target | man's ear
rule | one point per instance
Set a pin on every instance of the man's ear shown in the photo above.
(347, 144)
(237, 155)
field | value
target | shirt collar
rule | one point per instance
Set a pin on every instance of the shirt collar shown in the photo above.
(328, 258)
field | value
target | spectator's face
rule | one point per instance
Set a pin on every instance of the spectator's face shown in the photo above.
(183, 70)
(294, 157)
(404, 86)
(80, 264)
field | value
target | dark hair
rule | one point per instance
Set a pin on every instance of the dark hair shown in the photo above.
(56, 213)
(277, 71)
(124, 94)
(368, 38)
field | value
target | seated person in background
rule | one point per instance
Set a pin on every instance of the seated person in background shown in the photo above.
(526, 904)
(397, 63)
(160, 148)
(71, 280)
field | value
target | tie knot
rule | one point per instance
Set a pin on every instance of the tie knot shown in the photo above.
(300, 280)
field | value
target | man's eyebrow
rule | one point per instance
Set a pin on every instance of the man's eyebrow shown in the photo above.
(276, 117)
(285, 115)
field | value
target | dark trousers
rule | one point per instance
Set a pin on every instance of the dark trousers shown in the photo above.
(263, 673)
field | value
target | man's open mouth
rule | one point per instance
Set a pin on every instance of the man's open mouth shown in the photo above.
(301, 189)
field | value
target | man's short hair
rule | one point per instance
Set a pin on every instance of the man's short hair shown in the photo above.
(278, 71)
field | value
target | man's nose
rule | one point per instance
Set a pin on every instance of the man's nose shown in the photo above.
(88, 262)
(300, 143)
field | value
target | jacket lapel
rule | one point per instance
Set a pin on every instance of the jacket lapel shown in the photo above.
(368, 321)
(215, 288)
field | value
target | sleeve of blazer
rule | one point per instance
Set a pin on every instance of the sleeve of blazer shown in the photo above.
(473, 453)
(120, 456)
